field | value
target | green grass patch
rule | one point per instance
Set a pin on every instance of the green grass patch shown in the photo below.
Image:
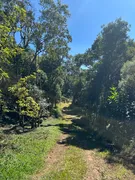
(22, 155)
(121, 171)
(104, 154)
(117, 171)
(58, 110)
(62, 105)
(72, 167)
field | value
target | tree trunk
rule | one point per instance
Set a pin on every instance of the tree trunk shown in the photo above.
(23, 123)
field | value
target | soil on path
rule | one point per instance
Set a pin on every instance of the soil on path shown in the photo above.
(54, 157)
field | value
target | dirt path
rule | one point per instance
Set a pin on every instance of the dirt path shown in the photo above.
(98, 169)
(94, 171)
(97, 166)
(54, 158)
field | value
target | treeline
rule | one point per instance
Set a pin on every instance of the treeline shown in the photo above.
(32, 70)
(36, 70)
(106, 84)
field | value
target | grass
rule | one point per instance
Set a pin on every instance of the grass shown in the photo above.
(104, 154)
(57, 111)
(117, 170)
(62, 105)
(22, 155)
(72, 167)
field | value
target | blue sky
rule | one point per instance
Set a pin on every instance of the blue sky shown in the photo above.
(87, 16)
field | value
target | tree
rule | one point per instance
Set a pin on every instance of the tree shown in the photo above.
(39, 56)
(9, 18)
(107, 55)
(54, 25)
(113, 43)
(55, 39)
(25, 105)
(127, 89)
(8, 28)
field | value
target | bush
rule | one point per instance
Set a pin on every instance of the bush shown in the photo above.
(128, 152)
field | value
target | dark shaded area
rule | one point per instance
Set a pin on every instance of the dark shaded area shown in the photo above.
(12, 124)
(17, 130)
(74, 110)
(85, 139)
(9, 118)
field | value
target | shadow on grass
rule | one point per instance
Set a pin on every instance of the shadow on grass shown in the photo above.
(10, 126)
(87, 139)
(90, 140)
(84, 139)
(72, 110)
(16, 129)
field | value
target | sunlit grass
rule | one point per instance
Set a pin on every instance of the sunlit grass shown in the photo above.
(63, 105)
(117, 170)
(72, 166)
(104, 154)
(24, 154)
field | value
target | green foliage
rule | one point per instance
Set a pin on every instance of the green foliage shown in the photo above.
(8, 47)
(127, 89)
(114, 95)
(26, 104)
(31, 71)
(3, 75)
(127, 77)
(41, 98)
(57, 35)
(37, 72)
(107, 86)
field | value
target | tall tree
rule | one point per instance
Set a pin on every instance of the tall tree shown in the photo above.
(55, 45)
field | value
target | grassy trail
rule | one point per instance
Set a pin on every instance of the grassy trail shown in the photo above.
(78, 155)
(59, 150)
(64, 162)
